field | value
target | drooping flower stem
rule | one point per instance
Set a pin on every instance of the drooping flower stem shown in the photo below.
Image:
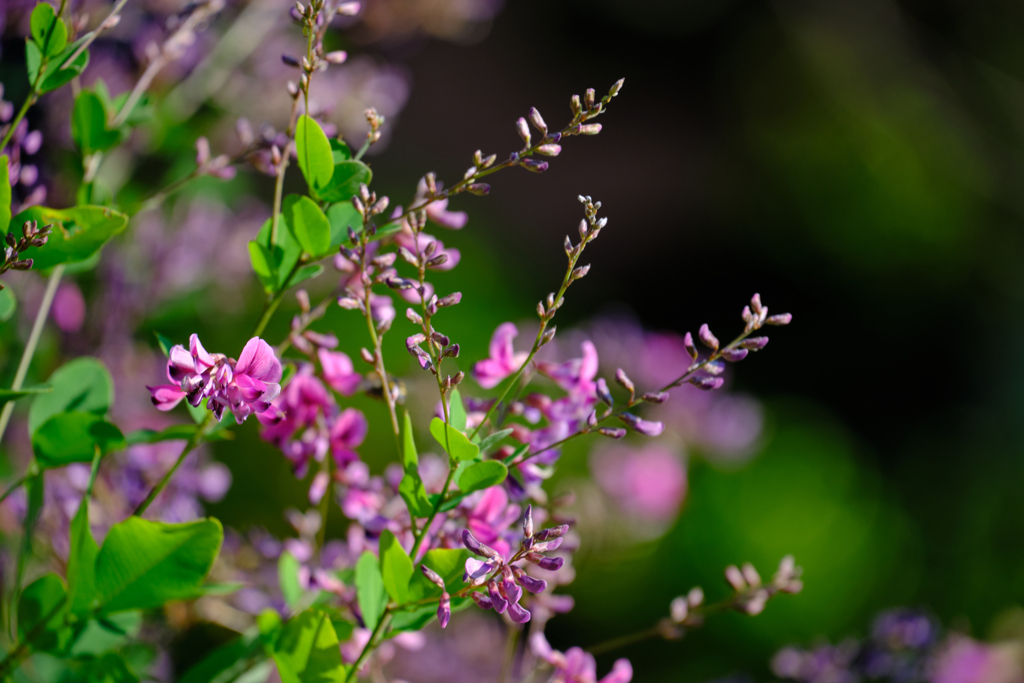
(33, 341)
(371, 645)
(193, 442)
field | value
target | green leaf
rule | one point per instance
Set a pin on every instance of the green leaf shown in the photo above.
(83, 385)
(89, 125)
(307, 650)
(33, 60)
(410, 456)
(369, 589)
(8, 304)
(416, 620)
(395, 567)
(145, 564)
(340, 151)
(106, 633)
(492, 439)
(5, 203)
(8, 395)
(263, 266)
(288, 576)
(227, 662)
(179, 432)
(73, 437)
(342, 216)
(461, 448)
(308, 223)
(449, 564)
(482, 475)
(411, 487)
(41, 610)
(457, 411)
(48, 32)
(54, 75)
(314, 151)
(344, 181)
(82, 561)
(306, 273)
(78, 232)
(165, 344)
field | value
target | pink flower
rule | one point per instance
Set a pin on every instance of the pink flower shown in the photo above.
(69, 307)
(963, 660)
(503, 360)
(577, 666)
(577, 375)
(347, 431)
(338, 371)
(491, 516)
(648, 482)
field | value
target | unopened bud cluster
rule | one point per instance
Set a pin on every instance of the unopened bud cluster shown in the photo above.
(31, 236)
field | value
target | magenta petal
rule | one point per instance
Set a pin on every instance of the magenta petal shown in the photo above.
(258, 361)
(166, 396)
(202, 358)
(517, 613)
(622, 672)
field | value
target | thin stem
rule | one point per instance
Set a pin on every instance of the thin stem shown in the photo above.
(21, 650)
(375, 638)
(29, 101)
(13, 487)
(94, 34)
(511, 640)
(622, 641)
(33, 341)
(192, 443)
(421, 534)
(308, 319)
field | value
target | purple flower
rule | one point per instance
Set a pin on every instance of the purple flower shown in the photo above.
(491, 516)
(347, 431)
(577, 666)
(338, 371)
(575, 376)
(503, 360)
(648, 482)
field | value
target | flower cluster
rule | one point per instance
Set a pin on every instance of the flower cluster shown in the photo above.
(31, 236)
(244, 387)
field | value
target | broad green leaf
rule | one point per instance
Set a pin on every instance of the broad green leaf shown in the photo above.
(417, 619)
(82, 561)
(308, 223)
(307, 650)
(83, 384)
(288, 577)
(33, 60)
(314, 151)
(482, 475)
(395, 567)
(450, 564)
(78, 232)
(306, 273)
(89, 124)
(48, 32)
(180, 432)
(8, 304)
(369, 589)
(106, 633)
(410, 456)
(454, 442)
(286, 251)
(144, 564)
(340, 151)
(165, 344)
(73, 437)
(262, 265)
(54, 76)
(493, 439)
(8, 395)
(41, 610)
(5, 200)
(415, 495)
(457, 411)
(227, 662)
(345, 181)
(342, 216)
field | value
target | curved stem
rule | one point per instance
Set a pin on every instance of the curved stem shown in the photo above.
(191, 445)
(13, 487)
(375, 638)
(33, 341)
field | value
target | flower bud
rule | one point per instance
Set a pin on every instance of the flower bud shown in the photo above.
(709, 340)
(754, 343)
(625, 382)
(528, 522)
(367, 356)
(589, 98)
(432, 576)
(590, 129)
(603, 393)
(655, 396)
(679, 610)
(479, 189)
(538, 121)
(612, 432)
(523, 130)
(645, 427)
(616, 87)
(450, 300)
(336, 57)
(707, 383)
(575, 104)
(550, 150)
(780, 319)
(734, 355)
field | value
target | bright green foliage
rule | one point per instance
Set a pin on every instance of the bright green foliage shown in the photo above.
(492, 440)
(274, 264)
(82, 561)
(41, 609)
(411, 487)
(8, 304)
(457, 411)
(8, 395)
(308, 223)
(105, 634)
(73, 437)
(89, 124)
(342, 216)
(82, 385)
(307, 650)
(110, 668)
(49, 33)
(340, 151)
(52, 75)
(455, 443)
(482, 475)
(395, 567)
(369, 589)
(288, 576)
(316, 159)
(78, 232)
(345, 181)
(144, 564)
